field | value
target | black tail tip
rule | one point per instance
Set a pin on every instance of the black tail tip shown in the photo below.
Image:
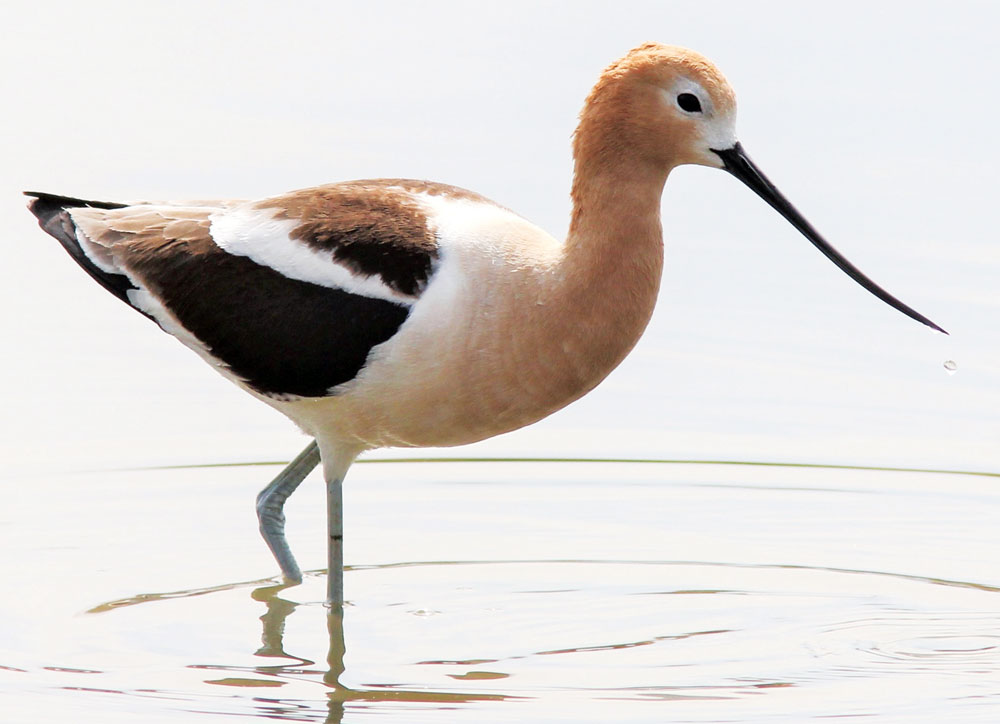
(45, 204)
(53, 216)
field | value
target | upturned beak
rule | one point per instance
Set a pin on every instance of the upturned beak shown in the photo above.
(736, 162)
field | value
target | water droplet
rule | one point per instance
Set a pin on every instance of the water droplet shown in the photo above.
(951, 366)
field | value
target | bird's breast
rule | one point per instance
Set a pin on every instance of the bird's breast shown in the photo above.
(502, 336)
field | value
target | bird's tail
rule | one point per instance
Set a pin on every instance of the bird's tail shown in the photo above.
(54, 218)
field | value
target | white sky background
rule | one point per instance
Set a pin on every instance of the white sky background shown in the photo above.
(877, 120)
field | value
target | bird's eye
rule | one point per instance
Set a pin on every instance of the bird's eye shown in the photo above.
(689, 102)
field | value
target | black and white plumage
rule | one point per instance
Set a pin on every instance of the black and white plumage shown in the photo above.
(295, 316)
(342, 306)
(406, 313)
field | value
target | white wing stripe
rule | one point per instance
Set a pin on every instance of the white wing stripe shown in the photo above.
(255, 233)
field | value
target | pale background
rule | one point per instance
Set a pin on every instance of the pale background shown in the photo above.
(877, 120)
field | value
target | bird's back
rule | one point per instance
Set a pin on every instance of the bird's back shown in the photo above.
(379, 291)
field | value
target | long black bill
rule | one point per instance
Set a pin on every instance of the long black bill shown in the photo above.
(736, 162)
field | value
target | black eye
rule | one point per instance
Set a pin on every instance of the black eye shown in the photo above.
(689, 102)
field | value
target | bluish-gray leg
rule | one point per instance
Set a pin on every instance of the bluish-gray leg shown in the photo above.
(335, 531)
(270, 509)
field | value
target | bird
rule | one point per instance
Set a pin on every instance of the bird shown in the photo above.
(407, 313)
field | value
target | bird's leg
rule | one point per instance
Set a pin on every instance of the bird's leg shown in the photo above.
(270, 509)
(337, 459)
(335, 532)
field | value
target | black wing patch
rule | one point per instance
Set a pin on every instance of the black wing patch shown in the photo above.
(282, 336)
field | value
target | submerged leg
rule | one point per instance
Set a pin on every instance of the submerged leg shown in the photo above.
(270, 505)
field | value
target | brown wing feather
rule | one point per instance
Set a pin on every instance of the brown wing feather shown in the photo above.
(278, 336)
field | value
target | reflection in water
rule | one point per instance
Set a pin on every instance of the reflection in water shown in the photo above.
(757, 628)
(299, 668)
(279, 609)
(272, 640)
(335, 664)
(272, 637)
(272, 646)
(168, 595)
(856, 646)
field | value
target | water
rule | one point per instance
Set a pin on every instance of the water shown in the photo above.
(517, 591)
(842, 582)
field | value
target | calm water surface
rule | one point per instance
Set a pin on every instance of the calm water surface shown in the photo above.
(510, 591)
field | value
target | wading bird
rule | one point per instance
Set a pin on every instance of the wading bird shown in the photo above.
(395, 312)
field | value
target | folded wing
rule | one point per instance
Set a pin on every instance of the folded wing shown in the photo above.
(287, 296)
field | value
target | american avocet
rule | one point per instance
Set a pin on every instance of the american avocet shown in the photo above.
(395, 312)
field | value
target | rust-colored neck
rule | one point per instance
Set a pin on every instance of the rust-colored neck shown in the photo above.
(600, 294)
(613, 257)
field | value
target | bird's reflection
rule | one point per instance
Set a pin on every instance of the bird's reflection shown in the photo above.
(335, 666)
(273, 620)
(272, 645)
(283, 666)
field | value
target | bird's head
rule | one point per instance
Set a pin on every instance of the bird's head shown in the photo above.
(662, 106)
